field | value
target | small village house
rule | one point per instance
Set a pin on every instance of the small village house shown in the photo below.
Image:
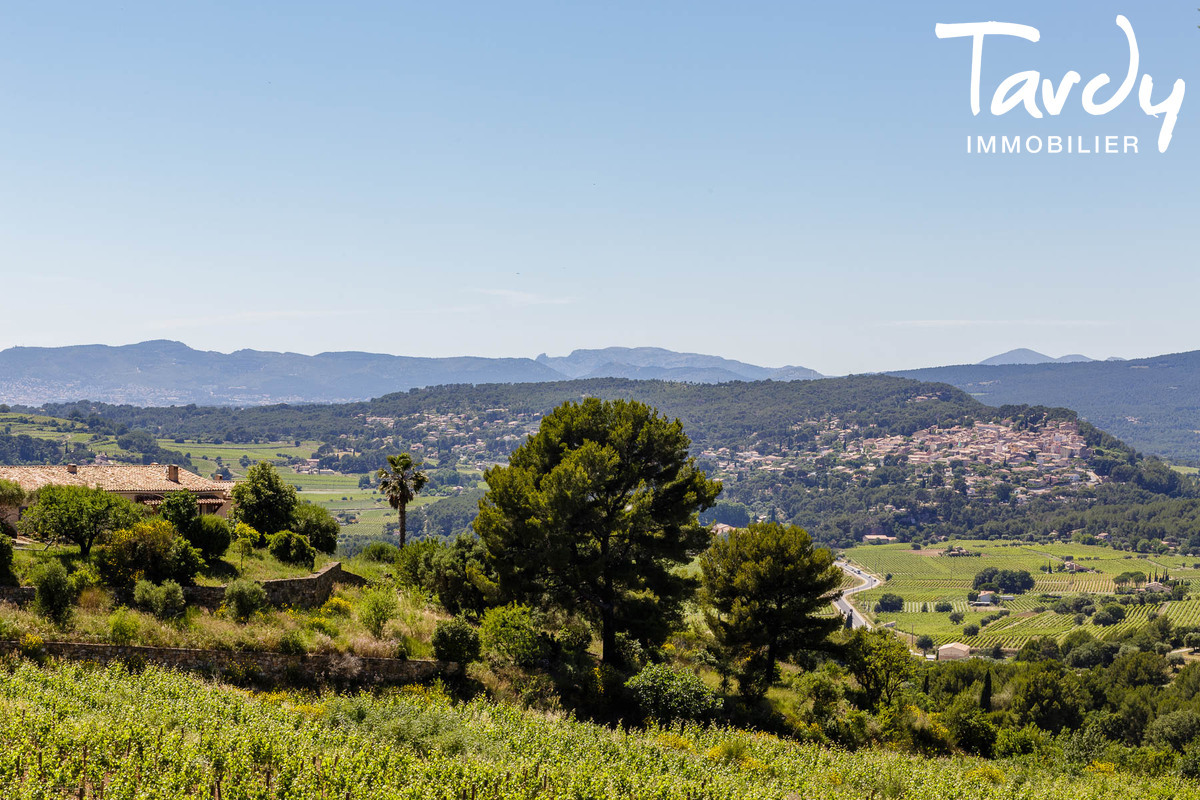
(145, 484)
(953, 651)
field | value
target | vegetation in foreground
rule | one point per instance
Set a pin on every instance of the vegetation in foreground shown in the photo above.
(80, 731)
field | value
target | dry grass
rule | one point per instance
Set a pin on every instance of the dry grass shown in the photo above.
(318, 631)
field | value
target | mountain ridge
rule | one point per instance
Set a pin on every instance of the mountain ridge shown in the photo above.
(166, 372)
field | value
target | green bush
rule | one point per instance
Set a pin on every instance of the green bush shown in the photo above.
(164, 601)
(54, 595)
(84, 576)
(890, 602)
(381, 552)
(292, 643)
(211, 535)
(337, 607)
(456, 640)
(244, 599)
(943, 607)
(122, 626)
(150, 550)
(379, 606)
(6, 560)
(291, 548)
(667, 694)
(317, 525)
(509, 634)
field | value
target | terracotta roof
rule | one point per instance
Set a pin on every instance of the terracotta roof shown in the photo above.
(112, 477)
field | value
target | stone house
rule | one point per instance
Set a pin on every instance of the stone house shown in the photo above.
(145, 484)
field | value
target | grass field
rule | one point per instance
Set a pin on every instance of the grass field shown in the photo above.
(78, 731)
(923, 578)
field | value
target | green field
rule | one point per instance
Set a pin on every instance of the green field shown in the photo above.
(338, 493)
(923, 578)
(79, 731)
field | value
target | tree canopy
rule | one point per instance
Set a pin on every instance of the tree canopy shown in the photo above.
(594, 513)
(766, 584)
(263, 500)
(77, 514)
(400, 482)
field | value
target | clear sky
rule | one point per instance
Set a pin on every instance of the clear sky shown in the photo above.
(783, 183)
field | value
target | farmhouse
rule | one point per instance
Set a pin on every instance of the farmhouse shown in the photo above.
(878, 538)
(1156, 587)
(953, 651)
(142, 484)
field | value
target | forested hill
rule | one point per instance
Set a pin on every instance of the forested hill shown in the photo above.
(734, 414)
(844, 457)
(1151, 403)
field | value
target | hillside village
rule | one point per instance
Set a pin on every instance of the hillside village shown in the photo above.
(1054, 454)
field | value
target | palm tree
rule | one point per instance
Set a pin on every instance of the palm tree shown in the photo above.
(401, 481)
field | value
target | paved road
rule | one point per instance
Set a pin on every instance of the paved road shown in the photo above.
(843, 603)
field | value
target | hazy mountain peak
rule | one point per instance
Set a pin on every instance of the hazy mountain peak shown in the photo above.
(1024, 355)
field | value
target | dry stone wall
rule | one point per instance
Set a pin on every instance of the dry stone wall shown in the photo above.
(271, 668)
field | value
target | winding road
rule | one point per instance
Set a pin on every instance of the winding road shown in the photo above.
(844, 605)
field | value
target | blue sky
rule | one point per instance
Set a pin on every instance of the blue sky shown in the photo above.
(783, 183)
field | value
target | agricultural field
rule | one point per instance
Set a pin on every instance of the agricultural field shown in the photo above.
(924, 577)
(363, 512)
(79, 731)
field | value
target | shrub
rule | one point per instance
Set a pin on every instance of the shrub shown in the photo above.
(971, 630)
(1175, 730)
(379, 606)
(337, 607)
(943, 607)
(243, 532)
(1025, 741)
(210, 535)
(244, 599)
(667, 694)
(508, 634)
(84, 576)
(956, 617)
(381, 552)
(165, 601)
(149, 550)
(292, 643)
(291, 548)
(32, 647)
(456, 640)
(54, 595)
(317, 525)
(969, 728)
(181, 510)
(122, 626)
(6, 559)
(891, 602)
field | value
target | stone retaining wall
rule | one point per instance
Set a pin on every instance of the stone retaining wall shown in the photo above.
(307, 592)
(17, 595)
(271, 668)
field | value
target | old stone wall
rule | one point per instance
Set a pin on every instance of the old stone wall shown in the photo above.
(272, 668)
(307, 592)
(17, 595)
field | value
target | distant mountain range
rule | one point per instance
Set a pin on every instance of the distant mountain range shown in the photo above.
(654, 363)
(170, 373)
(1151, 403)
(1025, 356)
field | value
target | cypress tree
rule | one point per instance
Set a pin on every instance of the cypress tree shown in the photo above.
(985, 697)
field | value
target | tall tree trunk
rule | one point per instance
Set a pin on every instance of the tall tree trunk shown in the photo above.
(608, 637)
(403, 525)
